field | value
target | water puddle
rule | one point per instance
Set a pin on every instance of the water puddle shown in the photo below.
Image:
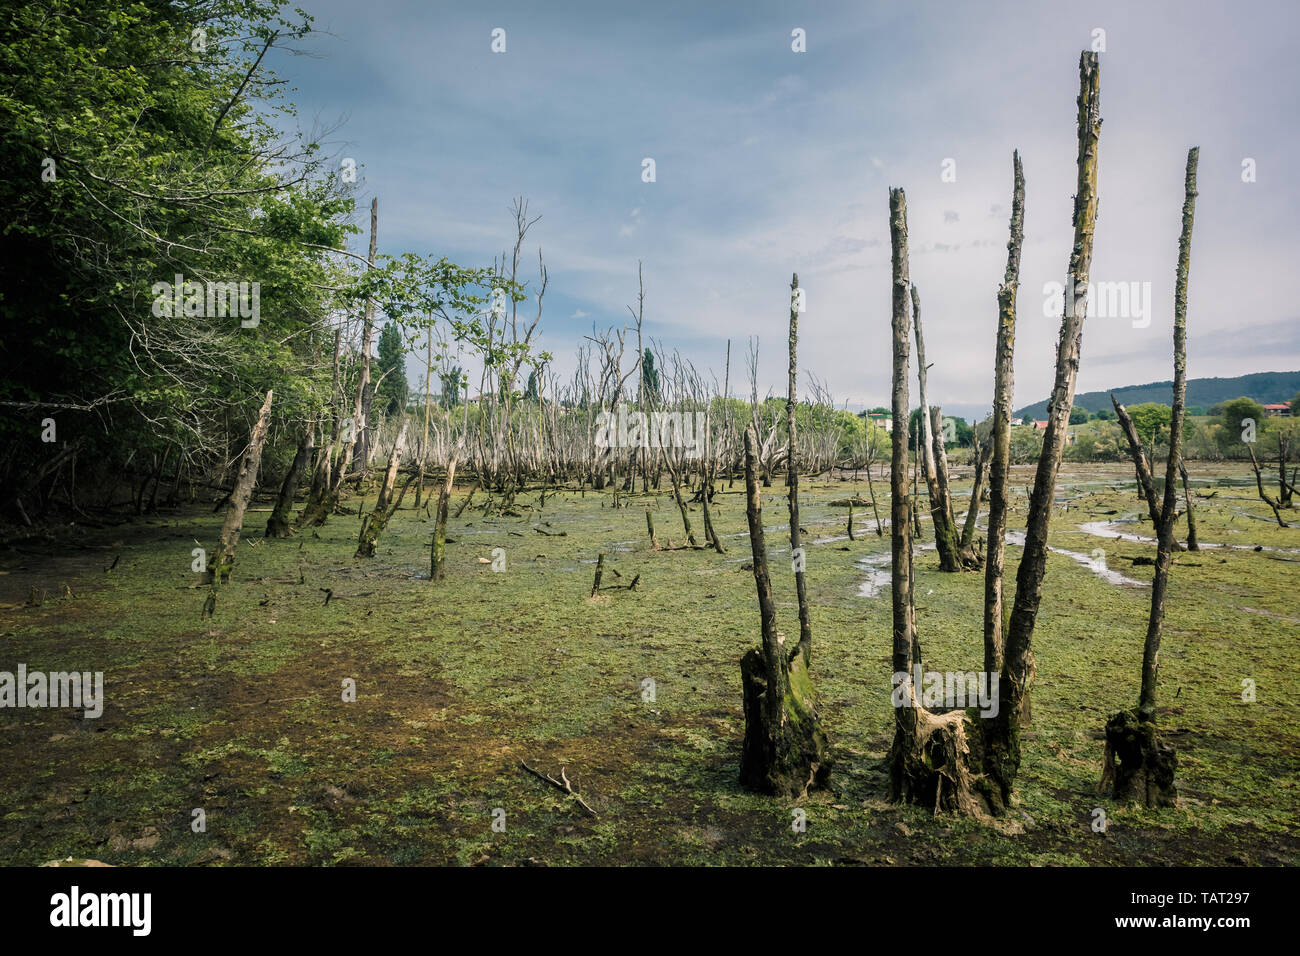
(1107, 529)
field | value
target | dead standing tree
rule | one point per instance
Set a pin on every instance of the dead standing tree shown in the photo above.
(1000, 434)
(373, 524)
(1019, 667)
(955, 760)
(952, 557)
(792, 482)
(977, 488)
(278, 525)
(785, 750)
(1138, 763)
(1272, 502)
(219, 568)
(438, 550)
(928, 748)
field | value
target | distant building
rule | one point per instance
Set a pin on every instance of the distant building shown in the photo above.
(1277, 410)
(1040, 425)
(882, 421)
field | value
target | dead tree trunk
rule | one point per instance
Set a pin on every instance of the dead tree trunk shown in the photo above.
(681, 502)
(1141, 765)
(956, 760)
(872, 491)
(1018, 670)
(1192, 543)
(278, 526)
(319, 503)
(438, 551)
(785, 750)
(977, 488)
(1268, 499)
(394, 462)
(373, 524)
(1141, 464)
(224, 558)
(946, 539)
(1000, 436)
(928, 749)
(916, 494)
(792, 482)
(365, 391)
(966, 557)
(650, 527)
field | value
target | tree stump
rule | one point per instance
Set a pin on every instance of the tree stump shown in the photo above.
(789, 756)
(1139, 765)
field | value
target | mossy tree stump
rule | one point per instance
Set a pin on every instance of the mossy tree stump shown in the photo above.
(789, 755)
(1140, 766)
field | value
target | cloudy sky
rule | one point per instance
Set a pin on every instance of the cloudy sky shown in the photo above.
(770, 161)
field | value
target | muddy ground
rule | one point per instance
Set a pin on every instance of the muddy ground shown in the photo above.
(243, 717)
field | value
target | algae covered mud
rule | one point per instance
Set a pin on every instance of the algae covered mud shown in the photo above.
(344, 710)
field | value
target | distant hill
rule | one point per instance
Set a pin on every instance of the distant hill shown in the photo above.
(1263, 387)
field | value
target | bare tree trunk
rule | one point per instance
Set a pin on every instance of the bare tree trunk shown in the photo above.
(977, 488)
(785, 750)
(916, 494)
(224, 558)
(1192, 543)
(438, 551)
(792, 481)
(927, 749)
(1268, 499)
(1018, 671)
(373, 524)
(394, 462)
(1141, 765)
(875, 510)
(1142, 464)
(1000, 437)
(966, 557)
(319, 501)
(681, 502)
(278, 525)
(946, 538)
(424, 442)
(365, 393)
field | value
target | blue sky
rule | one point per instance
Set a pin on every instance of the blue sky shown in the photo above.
(770, 161)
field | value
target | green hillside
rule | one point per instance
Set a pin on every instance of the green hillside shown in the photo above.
(1264, 387)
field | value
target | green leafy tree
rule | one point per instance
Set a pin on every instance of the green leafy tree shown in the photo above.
(1079, 416)
(650, 375)
(393, 389)
(452, 382)
(1149, 419)
(1233, 414)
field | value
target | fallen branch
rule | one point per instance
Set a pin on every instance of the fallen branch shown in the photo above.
(566, 786)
